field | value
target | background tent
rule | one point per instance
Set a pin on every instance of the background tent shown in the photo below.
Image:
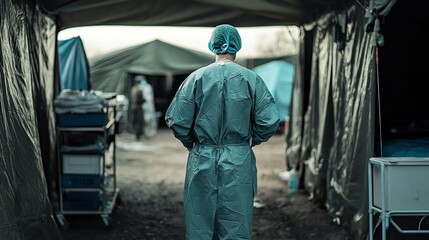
(278, 76)
(109, 72)
(74, 69)
(164, 65)
(333, 129)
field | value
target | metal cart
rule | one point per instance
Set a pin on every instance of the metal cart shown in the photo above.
(87, 177)
(398, 188)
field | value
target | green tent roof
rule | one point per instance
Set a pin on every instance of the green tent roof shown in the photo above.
(156, 58)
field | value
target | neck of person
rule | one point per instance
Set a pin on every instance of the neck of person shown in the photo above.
(226, 57)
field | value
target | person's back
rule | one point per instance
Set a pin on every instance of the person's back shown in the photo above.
(219, 113)
(224, 94)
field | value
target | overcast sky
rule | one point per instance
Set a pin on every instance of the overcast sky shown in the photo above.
(103, 39)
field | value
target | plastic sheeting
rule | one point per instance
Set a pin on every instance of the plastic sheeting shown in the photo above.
(74, 68)
(27, 39)
(278, 76)
(336, 137)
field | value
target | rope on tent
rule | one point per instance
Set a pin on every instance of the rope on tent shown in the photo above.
(378, 100)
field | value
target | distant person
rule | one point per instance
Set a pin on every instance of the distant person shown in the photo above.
(219, 113)
(149, 111)
(136, 107)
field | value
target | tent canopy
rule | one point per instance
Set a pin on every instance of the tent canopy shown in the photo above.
(204, 13)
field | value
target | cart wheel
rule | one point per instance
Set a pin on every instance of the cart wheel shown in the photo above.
(63, 224)
(106, 222)
(119, 199)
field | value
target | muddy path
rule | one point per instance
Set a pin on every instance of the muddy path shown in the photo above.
(150, 175)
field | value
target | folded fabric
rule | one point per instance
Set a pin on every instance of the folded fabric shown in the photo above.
(70, 101)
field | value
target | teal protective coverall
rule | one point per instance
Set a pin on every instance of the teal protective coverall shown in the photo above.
(219, 113)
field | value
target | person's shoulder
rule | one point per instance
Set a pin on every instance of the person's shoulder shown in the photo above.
(200, 72)
(250, 74)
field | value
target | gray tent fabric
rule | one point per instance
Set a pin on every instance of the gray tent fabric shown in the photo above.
(26, 90)
(338, 128)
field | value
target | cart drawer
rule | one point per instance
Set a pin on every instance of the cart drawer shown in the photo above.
(81, 181)
(82, 164)
(82, 205)
(92, 119)
(77, 200)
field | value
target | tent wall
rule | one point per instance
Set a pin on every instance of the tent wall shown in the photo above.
(334, 140)
(27, 40)
(403, 74)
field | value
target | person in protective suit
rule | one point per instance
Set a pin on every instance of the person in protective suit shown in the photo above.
(219, 113)
(136, 107)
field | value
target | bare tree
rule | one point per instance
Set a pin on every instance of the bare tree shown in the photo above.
(282, 42)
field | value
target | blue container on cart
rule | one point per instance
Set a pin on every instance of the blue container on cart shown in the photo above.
(77, 200)
(81, 180)
(91, 119)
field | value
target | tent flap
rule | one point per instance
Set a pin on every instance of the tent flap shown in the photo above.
(26, 84)
(337, 129)
(74, 68)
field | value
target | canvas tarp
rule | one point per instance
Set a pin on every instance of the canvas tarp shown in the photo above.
(333, 115)
(28, 43)
(74, 67)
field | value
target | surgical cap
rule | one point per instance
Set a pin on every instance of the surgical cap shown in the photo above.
(225, 39)
(139, 78)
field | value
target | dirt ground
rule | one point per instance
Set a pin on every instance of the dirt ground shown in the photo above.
(150, 176)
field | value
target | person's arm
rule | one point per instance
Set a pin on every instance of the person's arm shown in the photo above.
(265, 117)
(180, 114)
